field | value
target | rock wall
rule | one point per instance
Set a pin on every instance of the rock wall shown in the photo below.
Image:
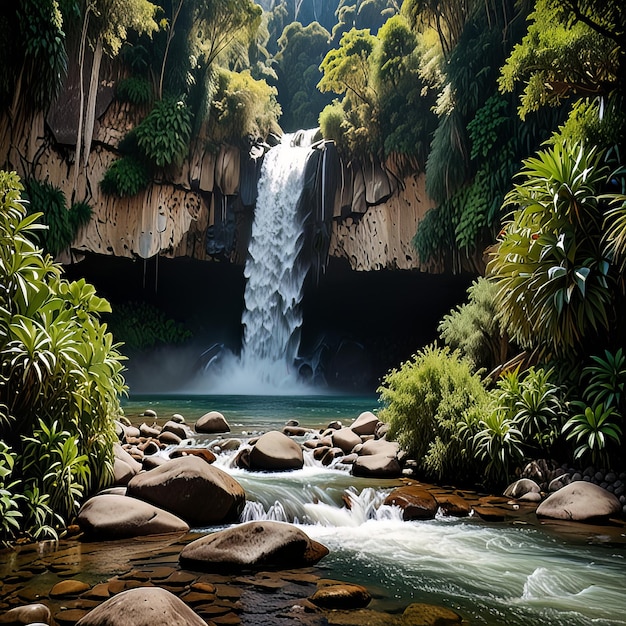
(374, 219)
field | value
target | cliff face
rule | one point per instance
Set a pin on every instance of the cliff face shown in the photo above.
(204, 209)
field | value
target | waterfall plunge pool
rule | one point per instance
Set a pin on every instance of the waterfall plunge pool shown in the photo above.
(517, 573)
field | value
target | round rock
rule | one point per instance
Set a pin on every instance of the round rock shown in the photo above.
(415, 502)
(189, 487)
(365, 424)
(579, 502)
(113, 516)
(212, 422)
(376, 466)
(341, 596)
(254, 545)
(27, 614)
(521, 487)
(144, 606)
(274, 451)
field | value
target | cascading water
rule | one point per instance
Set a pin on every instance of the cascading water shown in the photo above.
(275, 273)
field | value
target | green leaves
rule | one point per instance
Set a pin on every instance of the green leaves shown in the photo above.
(60, 379)
(553, 272)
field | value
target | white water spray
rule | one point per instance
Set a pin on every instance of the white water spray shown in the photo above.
(275, 273)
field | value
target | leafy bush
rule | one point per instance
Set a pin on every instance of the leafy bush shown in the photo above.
(125, 177)
(135, 89)
(60, 375)
(140, 325)
(430, 404)
(474, 329)
(163, 135)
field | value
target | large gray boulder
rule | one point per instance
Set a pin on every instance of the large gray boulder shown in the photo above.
(274, 451)
(212, 422)
(254, 545)
(144, 606)
(189, 487)
(580, 501)
(113, 516)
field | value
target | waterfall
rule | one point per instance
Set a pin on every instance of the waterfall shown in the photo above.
(275, 273)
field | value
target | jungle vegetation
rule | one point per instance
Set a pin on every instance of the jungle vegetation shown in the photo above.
(513, 110)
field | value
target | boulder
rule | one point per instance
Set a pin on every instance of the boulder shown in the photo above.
(149, 431)
(521, 487)
(453, 505)
(341, 596)
(168, 438)
(376, 466)
(380, 446)
(27, 614)
(144, 606)
(346, 439)
(115, 517)
(253, 545)
(121, 454)
(580, 501)
(365, 424)
(180, 430)
(189, 487)
(212, 422)
(202, 453)
(415, 502)
(274, 451)
(559, 482)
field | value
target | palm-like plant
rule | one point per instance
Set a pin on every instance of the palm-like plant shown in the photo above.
(552, 269)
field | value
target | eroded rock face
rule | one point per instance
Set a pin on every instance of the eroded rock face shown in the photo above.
(113, 516)
(189, 487)
(580, 501)
(144, 606)
(274, 451)
(254, 545)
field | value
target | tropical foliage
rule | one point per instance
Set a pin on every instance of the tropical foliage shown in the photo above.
(60, 380)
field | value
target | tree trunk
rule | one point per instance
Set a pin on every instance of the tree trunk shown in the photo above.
(90, 113)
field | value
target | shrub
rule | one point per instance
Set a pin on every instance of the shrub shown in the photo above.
(430, 404)
(60, 376)
(135, 89)
(163, 135)
(125, 177)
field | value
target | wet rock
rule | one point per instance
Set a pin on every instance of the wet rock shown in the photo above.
(181, 430)
(330, 455)
(199, 493)
(144, 606)
(341, 596)
(453, 505)
(125, 467)
(376, 466)
(365, 424)
(69, 587)
(419, 614)
(274, 451)
(177, 417)
(254, 545)
(521, 487)
(415, 502)
(580, 501)
(115, 516)
(336, 425)
(212, 422)
(531, 496)
(559, 482)
(27, 614)
(380, 446)
(292, 423)
(202, 453)
(361, 617)
(296, 431)
(346, 439)
(169, 438)
(151, 461)
(149, 431)
(149, 413)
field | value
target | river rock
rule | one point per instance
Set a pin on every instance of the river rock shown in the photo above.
(212, 422)
(420, 614)
(115, 517)
(180, 430)
(144, 606)
(149, 431)
(202, 453)
(124, 465)
(521, 487)
(365, 424)
(27, 614)
(380, 446)
(341, 596)
(415, 502)
(580, 501)
(274, 451)
(346, 439)
(67, 588)
(254, 545)
(169, 438)
(189, 487)
(559, 482)
(376, 466)
(453, 505)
